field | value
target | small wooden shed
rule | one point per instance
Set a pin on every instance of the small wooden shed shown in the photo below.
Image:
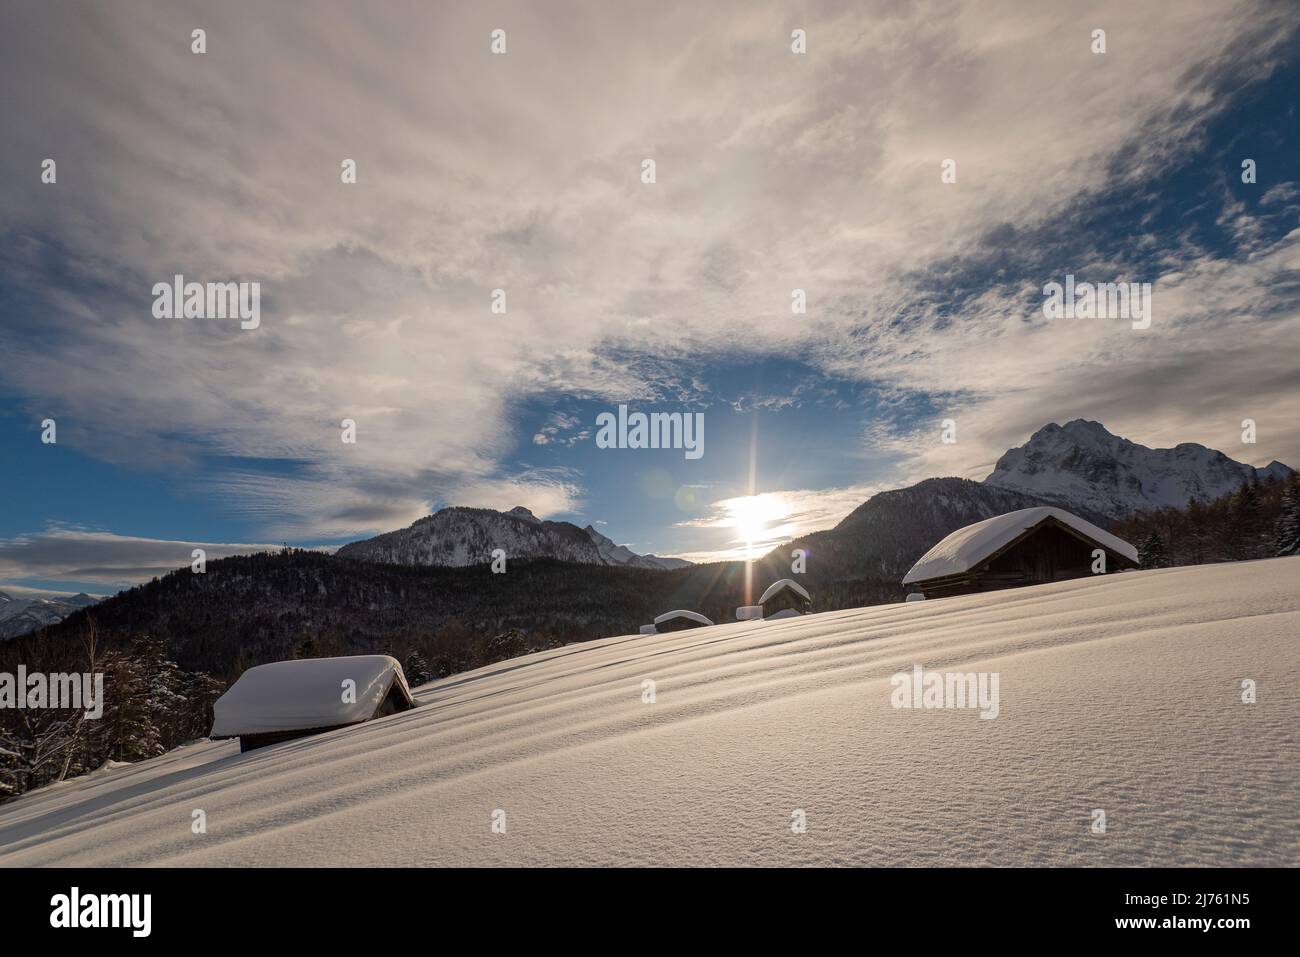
(1026, 547)
(284, 700)
(781, 599)
(678, 620)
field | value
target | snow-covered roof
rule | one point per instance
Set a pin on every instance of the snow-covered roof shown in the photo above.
(967, 547)
(682, 613)
(778, 586)
(307, 693)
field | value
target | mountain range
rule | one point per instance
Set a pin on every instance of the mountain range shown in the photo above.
(568, 583)
(457, 537)
(21, 615)
(1082, 466)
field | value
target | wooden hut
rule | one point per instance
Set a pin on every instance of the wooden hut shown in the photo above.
(782, 599)
(291, 699)
(679, 620)
(1027, 547)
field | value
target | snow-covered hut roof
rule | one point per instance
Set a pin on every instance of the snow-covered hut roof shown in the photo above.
(778, 586)
(694, 616)
(967, 547)
(307, 693)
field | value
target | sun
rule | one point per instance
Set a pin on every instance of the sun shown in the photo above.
(752, 515)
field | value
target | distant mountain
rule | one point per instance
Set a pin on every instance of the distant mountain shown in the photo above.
(18, 616)
(1081, 465)
(458, 537)
(622, 555)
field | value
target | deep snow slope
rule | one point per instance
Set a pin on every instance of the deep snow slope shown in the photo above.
(1119, 693)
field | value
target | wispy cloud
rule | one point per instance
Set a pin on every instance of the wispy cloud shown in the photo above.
(520, 172)
(81, 555)
(748, 526)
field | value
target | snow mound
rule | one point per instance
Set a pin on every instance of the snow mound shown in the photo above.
(307, 693)
(967, 547)
(1119, 692)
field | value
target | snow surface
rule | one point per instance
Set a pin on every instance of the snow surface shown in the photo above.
(967, 547)
(1120, 692)
(307, 693)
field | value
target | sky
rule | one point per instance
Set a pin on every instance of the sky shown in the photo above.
(524, 171)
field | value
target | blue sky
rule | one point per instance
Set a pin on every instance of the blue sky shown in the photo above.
(775, 171)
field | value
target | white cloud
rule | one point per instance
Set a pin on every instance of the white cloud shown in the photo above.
(81, 555)
(23, 591)
(519, 172)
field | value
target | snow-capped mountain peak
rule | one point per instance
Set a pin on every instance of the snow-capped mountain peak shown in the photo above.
(468, 536)
(1083, 464)
(613, 554)
(20, 615)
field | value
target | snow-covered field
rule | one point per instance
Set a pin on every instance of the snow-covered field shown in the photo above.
(1120, 693)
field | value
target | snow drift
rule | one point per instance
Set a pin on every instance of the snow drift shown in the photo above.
(1121, 693)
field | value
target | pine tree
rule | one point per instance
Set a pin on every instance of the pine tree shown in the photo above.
(127, 731)
(199, 691)
(1197, 521)
(1288, 524)
(11, 763)
(1151, 553)
(416, 669)
(508, 644)
(1246, 523)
